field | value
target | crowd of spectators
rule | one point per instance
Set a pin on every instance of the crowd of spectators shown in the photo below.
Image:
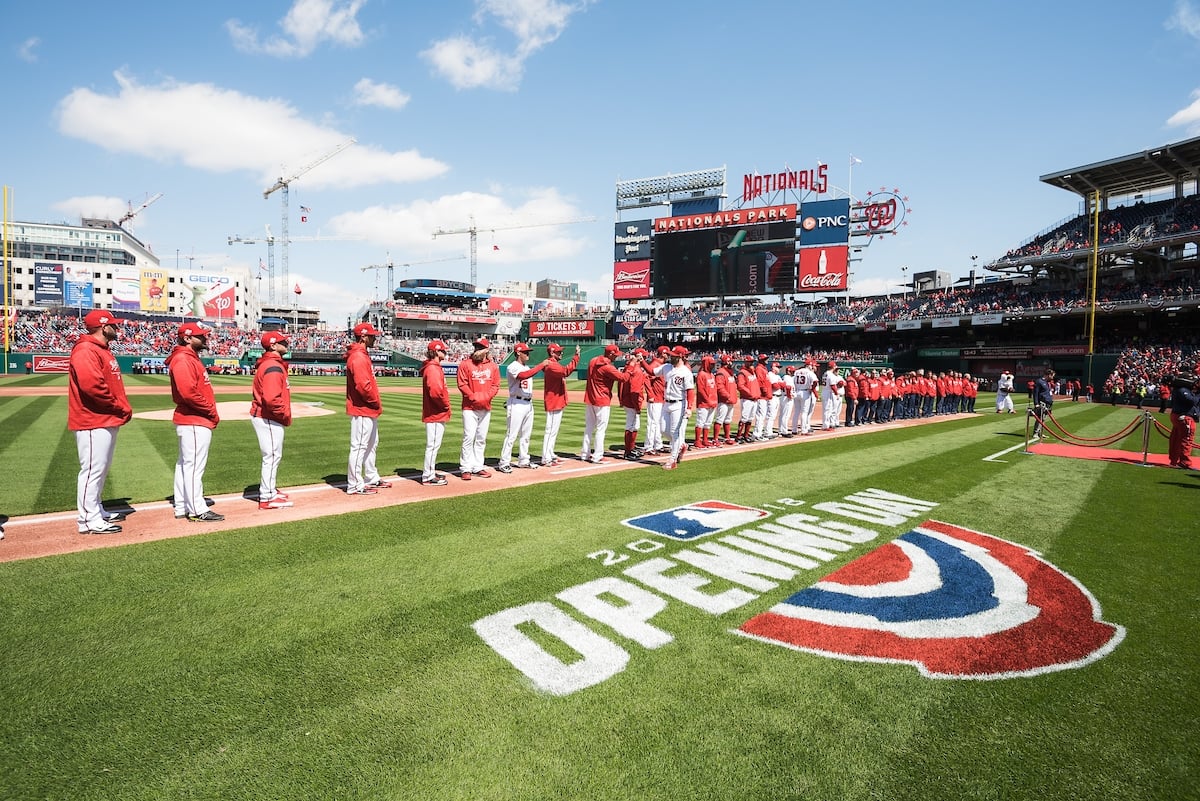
(1137, 224)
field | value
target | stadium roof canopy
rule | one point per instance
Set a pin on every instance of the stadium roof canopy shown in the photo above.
(1151, 169)
(438, 292)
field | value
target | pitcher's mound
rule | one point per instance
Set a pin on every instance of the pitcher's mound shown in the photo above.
(240, 410)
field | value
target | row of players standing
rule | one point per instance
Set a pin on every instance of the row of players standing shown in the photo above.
(97, 406)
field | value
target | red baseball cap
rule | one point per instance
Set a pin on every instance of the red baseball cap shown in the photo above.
(274, 338)
(521, 347)
(611, 350)
(679, 350)
(366, 330)
(554, 347)
(482, 343)
(193, 330)
(436, 344)
(98, 318)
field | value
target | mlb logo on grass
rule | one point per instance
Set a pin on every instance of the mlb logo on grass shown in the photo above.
(696, 520)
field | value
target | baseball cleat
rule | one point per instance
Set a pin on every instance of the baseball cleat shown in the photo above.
(483, 473)
(530, 466)
(206, 517)
(274, 503)
(106, 528)
(381, 484)
(504, 468)
(466, 475)
(363, 491)
(437, 481)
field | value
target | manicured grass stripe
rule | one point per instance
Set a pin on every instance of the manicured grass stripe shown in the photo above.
(24, 421)
(52, 486)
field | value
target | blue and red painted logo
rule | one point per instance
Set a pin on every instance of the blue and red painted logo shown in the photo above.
(696, 519)
(953, 602)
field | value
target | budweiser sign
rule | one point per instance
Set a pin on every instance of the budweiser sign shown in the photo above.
(823, 269)
(631, 279)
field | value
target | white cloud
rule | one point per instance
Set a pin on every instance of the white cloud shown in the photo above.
(1188, 116)
(507, 233)
(369, 93)
(220, 130)
(1185, 19)
(308, 23)
(25, 51)
(469, 62)
(97, 206)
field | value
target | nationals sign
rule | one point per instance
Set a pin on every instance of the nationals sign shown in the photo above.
(562, 328)
(823, 269)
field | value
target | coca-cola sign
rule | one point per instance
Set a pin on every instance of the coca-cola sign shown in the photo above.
(823, 269)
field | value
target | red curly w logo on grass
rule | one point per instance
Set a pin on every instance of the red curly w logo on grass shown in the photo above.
(953, 602)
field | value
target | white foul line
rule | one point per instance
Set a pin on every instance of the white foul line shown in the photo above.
(993, 458)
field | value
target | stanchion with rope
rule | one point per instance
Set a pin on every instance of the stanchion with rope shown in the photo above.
(1044, 422)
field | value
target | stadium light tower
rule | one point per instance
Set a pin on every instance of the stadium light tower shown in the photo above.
(904, 279)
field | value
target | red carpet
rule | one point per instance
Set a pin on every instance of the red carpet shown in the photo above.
(1104, 454)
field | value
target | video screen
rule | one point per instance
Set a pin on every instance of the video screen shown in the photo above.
(735, 260)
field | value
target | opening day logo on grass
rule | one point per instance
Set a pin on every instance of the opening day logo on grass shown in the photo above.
(953, 602)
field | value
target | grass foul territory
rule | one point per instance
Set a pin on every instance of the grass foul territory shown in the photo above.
(882, 616)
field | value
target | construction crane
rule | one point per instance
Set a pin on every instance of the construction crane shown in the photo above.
(390, 266)
(284, 183)
(474, 230)
(270, 240)
(129, 215)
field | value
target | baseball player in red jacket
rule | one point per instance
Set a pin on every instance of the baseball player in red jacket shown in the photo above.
(554, 397)
(270, 414)
(706, 401)
(655, 415)
(632, 396)
(435, 410)
(748, 397)
(597, 397)
(96, 408)
(195, 418)
(478, 382)
(727, 398)
(364, 406)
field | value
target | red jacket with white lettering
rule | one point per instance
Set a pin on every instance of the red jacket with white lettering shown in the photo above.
(706, 390)
(362, 390)
(554, 386)
(96, 392)
(726, 385)
(478, 382)
(435, 395)
(272, 393)
(747, 384)
(191, 389)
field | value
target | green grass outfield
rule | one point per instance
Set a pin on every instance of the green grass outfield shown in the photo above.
(337, 657)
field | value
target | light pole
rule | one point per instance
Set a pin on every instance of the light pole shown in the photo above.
(904, 279)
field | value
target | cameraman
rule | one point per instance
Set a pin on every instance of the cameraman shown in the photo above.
(1043, 399)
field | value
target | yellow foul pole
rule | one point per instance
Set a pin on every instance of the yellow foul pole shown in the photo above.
(9, 308)
(1095, 272)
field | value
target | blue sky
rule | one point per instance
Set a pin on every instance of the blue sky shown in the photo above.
(529, 111)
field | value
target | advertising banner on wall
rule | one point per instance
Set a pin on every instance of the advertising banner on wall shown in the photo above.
(631, 280)
(823, 269)
(127, 288)
(78, 289)
(824, 222)
(631, 325)
(562, 328)
(631, 240)
(498, 303)
(47, 284)
(154, 291)
(208, 295)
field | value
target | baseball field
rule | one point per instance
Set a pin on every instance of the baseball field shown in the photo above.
(899, 612)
